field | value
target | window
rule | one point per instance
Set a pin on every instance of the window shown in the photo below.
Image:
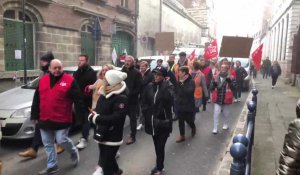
(16, 15)
(87, 28)
(124, 3)
(286, 34)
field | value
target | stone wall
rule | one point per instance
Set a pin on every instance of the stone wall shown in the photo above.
(57, 26)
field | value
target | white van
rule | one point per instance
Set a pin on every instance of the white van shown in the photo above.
(199, 52)
(152, 60)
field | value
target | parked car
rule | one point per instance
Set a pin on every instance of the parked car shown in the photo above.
(15, 109)
(246, 63)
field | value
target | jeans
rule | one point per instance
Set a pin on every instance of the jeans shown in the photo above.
(133, 119)
(159, 144)
(107, 159)
(189, 117)
(217, 112)
(238, 91)
(37, 139)
(61, 136)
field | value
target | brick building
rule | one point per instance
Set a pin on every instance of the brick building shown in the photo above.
(65, 27)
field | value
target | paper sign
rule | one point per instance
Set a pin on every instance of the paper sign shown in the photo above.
(18, 54)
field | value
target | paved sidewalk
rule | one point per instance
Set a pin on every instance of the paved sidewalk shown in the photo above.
(276, 109)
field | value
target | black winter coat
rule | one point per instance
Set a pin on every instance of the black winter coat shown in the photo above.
(112, 113)
(133, 83)
(146, 79)
(156, 106)
(184, 95)
(240, 74)
(275, 70)
(85, 76)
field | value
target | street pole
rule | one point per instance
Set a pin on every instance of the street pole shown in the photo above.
(97, 36)
(24, 43)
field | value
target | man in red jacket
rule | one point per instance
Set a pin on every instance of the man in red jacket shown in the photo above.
(52, 110)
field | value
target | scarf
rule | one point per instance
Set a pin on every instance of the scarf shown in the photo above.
(182, 62)
(108, 88)
(221, 79)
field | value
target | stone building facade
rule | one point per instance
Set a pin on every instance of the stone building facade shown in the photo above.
(283, 25)
(165, 16)
(67, 28)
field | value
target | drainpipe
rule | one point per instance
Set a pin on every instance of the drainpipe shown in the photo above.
(24, 43)
(137, 7)
(160, 15)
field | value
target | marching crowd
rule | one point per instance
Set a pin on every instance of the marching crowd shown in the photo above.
(152, 99)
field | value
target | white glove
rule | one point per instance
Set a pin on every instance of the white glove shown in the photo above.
(92, 117)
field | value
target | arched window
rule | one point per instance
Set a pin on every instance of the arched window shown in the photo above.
(16, 15)
(87, 28)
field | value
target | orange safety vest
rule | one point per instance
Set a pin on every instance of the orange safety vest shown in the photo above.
(176, 70)
(198, 88)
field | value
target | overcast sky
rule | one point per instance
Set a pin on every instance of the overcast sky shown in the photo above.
(238, 17)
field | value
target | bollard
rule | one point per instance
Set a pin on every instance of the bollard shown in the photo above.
(251, 113)
(254, 98)
(254, 93)
(238, 151)
(251, 118)
(240, 138)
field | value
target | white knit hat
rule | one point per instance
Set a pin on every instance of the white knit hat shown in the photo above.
(114, 77)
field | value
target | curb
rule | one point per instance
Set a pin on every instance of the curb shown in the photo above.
(224, 167)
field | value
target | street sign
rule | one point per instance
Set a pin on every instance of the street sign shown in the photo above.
(233, 46)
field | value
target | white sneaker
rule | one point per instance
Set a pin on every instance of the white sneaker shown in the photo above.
(139, 127)
(98, 171)
(215, 131)
(118, 154)
(235, 100)
(239, 99)
(225, 127)
(208, 101)
(272, 87)
(82, 143)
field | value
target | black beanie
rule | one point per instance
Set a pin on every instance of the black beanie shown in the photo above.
(47, 57)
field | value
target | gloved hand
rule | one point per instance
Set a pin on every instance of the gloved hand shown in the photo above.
(93, 117)
(228, 80)
(215, 84)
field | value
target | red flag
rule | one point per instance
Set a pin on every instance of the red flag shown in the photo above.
(211, 51)
(192, 55)
(256, 56)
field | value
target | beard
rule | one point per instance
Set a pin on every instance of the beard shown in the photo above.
(45, 68)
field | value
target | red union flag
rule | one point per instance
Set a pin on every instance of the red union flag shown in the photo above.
(192, 55)
(211, 51)
(256, 56)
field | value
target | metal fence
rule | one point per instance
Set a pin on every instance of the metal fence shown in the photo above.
(241, 149)
(18, 76)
